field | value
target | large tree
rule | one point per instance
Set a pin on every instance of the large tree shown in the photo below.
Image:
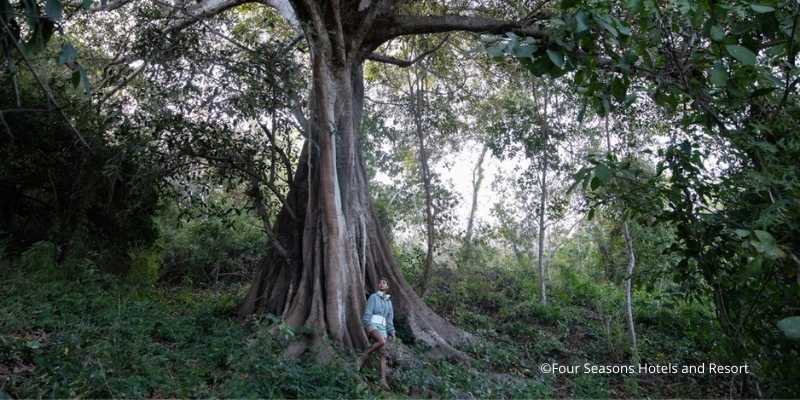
(329, 249)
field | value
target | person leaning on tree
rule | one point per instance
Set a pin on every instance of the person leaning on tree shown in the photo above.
(379, 321)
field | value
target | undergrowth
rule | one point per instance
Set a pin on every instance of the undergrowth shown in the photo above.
(80, 332)
(91, 334)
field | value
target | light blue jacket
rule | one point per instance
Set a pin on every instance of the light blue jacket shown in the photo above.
(381, 305)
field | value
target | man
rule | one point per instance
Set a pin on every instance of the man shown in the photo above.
(379, 321)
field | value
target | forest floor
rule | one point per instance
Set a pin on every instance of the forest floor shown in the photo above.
(90, 335)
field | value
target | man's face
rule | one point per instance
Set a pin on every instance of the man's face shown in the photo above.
(383, 285)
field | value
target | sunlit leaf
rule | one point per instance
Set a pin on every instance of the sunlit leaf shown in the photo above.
(717, 34)
(581, 22)
(718, 76)
(556, 57)
(741, 53)
(761, 8)
(54, 10)
(602, 172)
(790, 327)
(67, 54)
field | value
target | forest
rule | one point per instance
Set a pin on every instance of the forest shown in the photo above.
(557, 198)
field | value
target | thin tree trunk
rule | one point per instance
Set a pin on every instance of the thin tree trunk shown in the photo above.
(418, 92)
(629, 271)
(477, 180)
(629, 287)
(542, 205)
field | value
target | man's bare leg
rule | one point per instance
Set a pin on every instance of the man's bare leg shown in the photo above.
(379, 343)
(384, 384)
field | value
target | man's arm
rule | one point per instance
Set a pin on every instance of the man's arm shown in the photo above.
(368, 310)
(390, 321)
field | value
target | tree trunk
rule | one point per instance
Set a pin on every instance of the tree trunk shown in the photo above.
(629, 287)
(542, 204)
(417, 91)
(336, 252)
(477, 180)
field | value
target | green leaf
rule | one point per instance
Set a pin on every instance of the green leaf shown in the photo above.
(764, 236)
(762, 92)
(497, 50)
(76, 78)
(618, 89)
(87, 4)
(741, 53)
(68, 54)
(790, 327)
(43, 30)
(623, 29)
(556, 57)
(525, 50)
(602, 172)
(761, 8)
(766, 244)
(717, 34)
(742, 233)
(540, 66)
(718, 76)
(581, 22)
(567, 4)
(684, 6)
(634, 5)
(54, 10)
(606, 24)
(595, 183)
(84, 81)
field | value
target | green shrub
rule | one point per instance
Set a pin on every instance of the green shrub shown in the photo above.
(532, 311)
(209, 248)
(101, 195)
(145, 264)
(41, 256)
(591, 386)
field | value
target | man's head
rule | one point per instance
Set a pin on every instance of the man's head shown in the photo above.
(383, 284)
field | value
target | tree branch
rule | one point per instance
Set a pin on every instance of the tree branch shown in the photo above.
(401, 25)
(108, 6)
(406, 63)
(195, 11)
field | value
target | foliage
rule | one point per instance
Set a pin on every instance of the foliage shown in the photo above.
(202, 247)
(145, 265)
(97, 337)
(97, 199)
(727, 72)
(40, 256)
